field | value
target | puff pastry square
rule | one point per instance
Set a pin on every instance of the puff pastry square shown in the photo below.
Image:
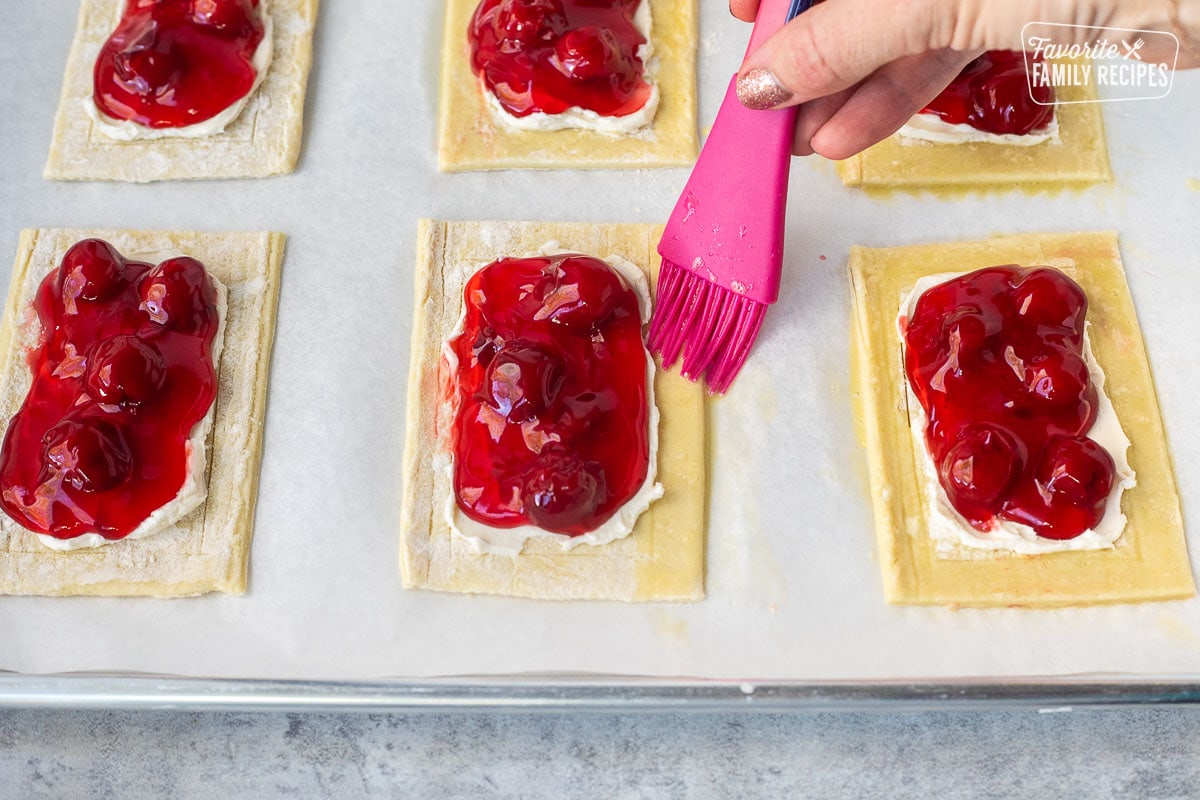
(1080, 158)
(663, 559)
(1149, 561)
(208, 550)
(471, 138)
(264, 139)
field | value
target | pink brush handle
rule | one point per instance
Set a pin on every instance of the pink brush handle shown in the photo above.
(771, 16)
(728, 225)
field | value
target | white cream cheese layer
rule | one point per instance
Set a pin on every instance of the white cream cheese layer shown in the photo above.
(948, 528)
(584, 118)
(510, 541)
(127, 131)
(932, 128)
(194, 490)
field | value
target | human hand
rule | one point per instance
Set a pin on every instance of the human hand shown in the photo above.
(859, 69)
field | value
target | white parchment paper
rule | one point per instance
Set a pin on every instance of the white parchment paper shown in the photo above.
(793, 589)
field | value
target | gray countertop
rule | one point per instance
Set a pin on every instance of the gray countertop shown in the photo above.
(1134, 752)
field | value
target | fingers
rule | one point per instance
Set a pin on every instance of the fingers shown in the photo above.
(882, 103)
(743, 9)
(832, 47)
(836, 45)
(813, 115)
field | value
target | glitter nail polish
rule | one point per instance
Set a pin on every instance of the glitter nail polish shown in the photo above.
(760, 90)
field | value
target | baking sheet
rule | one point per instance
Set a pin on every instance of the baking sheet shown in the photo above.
(793, 587)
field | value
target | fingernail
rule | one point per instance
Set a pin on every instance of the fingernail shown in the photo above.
(760, 90)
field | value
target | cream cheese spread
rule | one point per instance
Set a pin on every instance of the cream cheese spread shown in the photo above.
(932, 128)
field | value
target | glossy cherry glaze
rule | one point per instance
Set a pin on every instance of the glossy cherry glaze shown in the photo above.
(992, 94)
(552, 55)
(995, 358)
(123, 371)
(174, 63)
(551, 427)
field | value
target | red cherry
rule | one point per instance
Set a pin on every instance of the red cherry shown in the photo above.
(966, 333)
(956, 107)
(91, 270)
(587, 52)
(125, 368)
(1004, 100)
(583, 294)
(980, 466)
(992, 93)
(486, 345)
(937, 301)
(178, 294)
(525, 22)
(523, 380)
(1074, 478)
(1046, 297)
(230, 17)
(90, 453)
(562, 491)
(146, 66)
(1056, 377)
(928, 325)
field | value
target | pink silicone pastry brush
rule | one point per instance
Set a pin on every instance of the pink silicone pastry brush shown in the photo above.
(722, 249)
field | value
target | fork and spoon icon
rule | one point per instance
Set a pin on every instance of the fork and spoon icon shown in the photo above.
(1131, 50)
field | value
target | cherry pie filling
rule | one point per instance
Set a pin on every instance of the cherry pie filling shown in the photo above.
(553, 55)
(993, 94)
(175, 63)
(122, 373)
(996, 359)
(552, 421)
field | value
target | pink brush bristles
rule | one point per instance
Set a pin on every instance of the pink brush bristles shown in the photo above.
(722, 248)
(717, 325)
